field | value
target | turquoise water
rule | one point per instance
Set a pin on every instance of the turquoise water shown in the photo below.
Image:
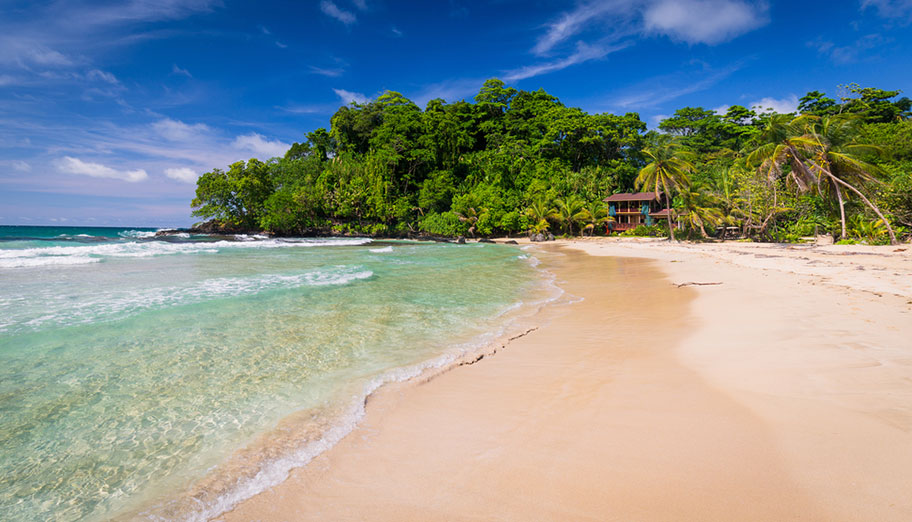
(132, 370)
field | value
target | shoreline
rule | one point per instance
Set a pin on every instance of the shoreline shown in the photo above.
(297, 439)
(777, 456)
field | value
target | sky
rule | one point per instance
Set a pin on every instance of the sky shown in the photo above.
(109, 111)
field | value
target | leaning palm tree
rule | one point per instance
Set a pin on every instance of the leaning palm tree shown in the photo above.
(701, 209)
(784, 142)
(667, 171)
(595, 215)
(836, 159)
(539, 213)
(571, 210)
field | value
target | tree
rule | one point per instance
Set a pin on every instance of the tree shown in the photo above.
(835, 154)
(539, 212)
(667, 171)
(570, 210)
(700, 209)
(595, 214)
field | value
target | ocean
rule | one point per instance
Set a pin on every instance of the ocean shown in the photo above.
(149, 378)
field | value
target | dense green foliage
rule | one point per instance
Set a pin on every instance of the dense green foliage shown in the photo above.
(517, 161)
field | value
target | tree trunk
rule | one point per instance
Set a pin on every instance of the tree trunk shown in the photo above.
(867, 202)
(668, 207)
(842, 219)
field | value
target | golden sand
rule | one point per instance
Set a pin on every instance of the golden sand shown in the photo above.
(776, 394)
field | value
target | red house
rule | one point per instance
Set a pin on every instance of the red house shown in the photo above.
(632, 210)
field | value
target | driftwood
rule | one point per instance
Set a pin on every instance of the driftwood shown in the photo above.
(692, 283)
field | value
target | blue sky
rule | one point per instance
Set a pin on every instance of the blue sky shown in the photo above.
(110, 110)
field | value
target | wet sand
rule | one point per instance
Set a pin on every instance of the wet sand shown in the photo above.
(770, 396)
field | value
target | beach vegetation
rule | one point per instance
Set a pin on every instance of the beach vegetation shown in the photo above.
(511, 161)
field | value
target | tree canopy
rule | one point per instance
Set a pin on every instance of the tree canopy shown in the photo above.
(512, 161)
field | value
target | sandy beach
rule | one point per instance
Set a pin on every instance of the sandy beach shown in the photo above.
(778, 388)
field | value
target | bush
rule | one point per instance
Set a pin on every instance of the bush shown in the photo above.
(443, 224)
(646, 231)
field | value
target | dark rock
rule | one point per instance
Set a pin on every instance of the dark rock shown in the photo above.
(550, 236)
(460, 240)
(537, 237)
(510, 242)
(485, 240)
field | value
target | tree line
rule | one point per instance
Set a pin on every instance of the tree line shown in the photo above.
(516, 162)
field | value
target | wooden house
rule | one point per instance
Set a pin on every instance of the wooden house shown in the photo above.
(632, 210)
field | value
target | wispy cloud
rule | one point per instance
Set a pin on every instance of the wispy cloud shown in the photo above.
(348, 97)
(71, 165)
(450, 91)
(360, 4)
(324, 71)
(691, 21)
(98, 74)
(851, 53)
(333, 11)
(17, 165)
(890, 8)
(180, 72)
(670, 87)
(396, 32)
(571, 23)
(307, 109)
(583, 53)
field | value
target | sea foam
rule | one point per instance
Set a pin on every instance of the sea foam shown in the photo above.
(116, 304)
(83, 254)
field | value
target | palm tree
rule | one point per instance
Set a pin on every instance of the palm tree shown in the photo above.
(595, 215)
(836, 160)
(570, 210)
(818, 151)
(667, 171)
(701, 209)
(784, 141)
(539, 212)
(470, 216)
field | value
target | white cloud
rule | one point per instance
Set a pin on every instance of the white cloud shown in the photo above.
(27, 53)
(260, 146)
(890, 8)
(360, 4)
(692, 21)
(722, 110)
(670, 87)
(175, 130)
(17, 165)
(182, 174)
(332, 10)
(331, 73)
(351, 97)
(397, 32)
(6, 79)
(703, 21)
(583, 53)
(572, 23)
(785, 105)
(98, 74)
(280, 45)
(70, 165)
(181, 72)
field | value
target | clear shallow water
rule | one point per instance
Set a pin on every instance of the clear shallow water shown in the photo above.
(124, 379)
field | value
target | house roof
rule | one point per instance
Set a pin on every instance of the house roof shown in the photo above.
(662, 213)
(639, 196)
